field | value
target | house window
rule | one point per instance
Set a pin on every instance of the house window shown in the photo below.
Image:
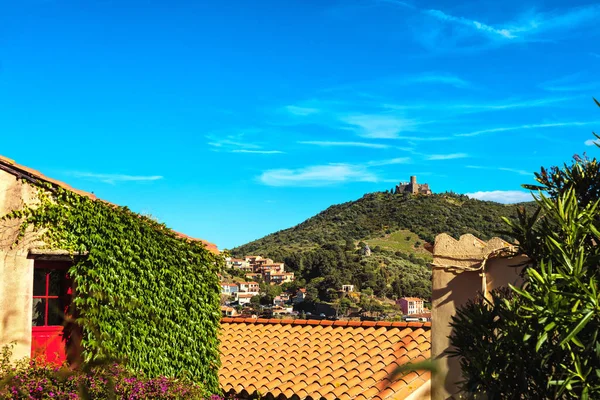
(51, 296)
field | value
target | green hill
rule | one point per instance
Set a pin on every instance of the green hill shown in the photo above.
(396, 227)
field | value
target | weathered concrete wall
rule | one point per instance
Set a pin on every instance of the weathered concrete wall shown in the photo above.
(453, 285)
(16, 270)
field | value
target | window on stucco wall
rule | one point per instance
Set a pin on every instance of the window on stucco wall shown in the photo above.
(51, 294)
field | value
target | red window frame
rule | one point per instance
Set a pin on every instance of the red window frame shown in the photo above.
(67, 287)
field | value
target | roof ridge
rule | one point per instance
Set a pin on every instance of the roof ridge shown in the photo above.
(325, 322)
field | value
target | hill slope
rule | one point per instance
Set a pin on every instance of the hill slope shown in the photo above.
(323, 249)
(375, 213)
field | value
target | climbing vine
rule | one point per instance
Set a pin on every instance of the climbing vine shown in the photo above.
(142, 293)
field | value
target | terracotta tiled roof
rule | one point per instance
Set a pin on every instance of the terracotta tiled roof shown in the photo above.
(38, 175)
(321, 359)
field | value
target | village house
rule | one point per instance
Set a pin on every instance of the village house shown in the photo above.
(264, 268)
(227, 311)
(285, 296)
(33, 278)
(244, 297)
(411, 305)
(250, 287)
(253, 276)
(229, 288)
(255, 262)
(237, 263)
(421, 317)
(281, 311)
(278, 278)
(269, 267)
(252, 259)
(347, 288)
(300, 296)
(278, 301)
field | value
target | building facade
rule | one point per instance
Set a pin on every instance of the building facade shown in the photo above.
(35, 289)
(411, 305)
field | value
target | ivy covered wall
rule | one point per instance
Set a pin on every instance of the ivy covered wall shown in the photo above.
(143, 293)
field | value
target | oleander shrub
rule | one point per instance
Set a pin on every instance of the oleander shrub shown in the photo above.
(541, 340)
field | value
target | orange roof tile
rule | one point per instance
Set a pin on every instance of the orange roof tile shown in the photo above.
(316, 359)
(29, 173)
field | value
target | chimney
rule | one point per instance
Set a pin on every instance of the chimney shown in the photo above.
(413, 185)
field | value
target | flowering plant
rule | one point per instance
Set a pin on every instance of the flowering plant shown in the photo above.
(38, 379)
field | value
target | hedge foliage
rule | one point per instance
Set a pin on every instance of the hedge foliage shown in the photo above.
(143, 294)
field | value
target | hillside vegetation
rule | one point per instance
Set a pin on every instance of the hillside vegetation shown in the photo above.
(376, 213)
(324, 250)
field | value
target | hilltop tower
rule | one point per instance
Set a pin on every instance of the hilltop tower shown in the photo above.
(414, 188)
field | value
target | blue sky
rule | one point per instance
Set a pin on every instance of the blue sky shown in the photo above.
(229, 120)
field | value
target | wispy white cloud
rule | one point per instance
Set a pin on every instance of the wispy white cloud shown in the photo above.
(565, 19)
(379, 126)
(425, 138)
(513, 170)
(572, 83)
(596, 55)
(237, 144)
(432, 78)
(509, 105)
(317, 175)
(516, 171)
(398, 3)
(477, 107)
(505, 33)
(392, 161)
(502, 196)
(301, 111)
(258, 151)
(344, 144)
(329, 174)
(116, 178)
(434, 157)
(527, 126)
(228, 143)
(529, 26)
(592, 142)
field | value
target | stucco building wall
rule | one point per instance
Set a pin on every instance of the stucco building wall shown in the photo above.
(457, 277)
(16, 269)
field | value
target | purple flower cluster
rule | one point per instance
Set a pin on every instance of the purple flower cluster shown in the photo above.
(37, 379)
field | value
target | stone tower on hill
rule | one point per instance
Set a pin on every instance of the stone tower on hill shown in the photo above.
(413, 187)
